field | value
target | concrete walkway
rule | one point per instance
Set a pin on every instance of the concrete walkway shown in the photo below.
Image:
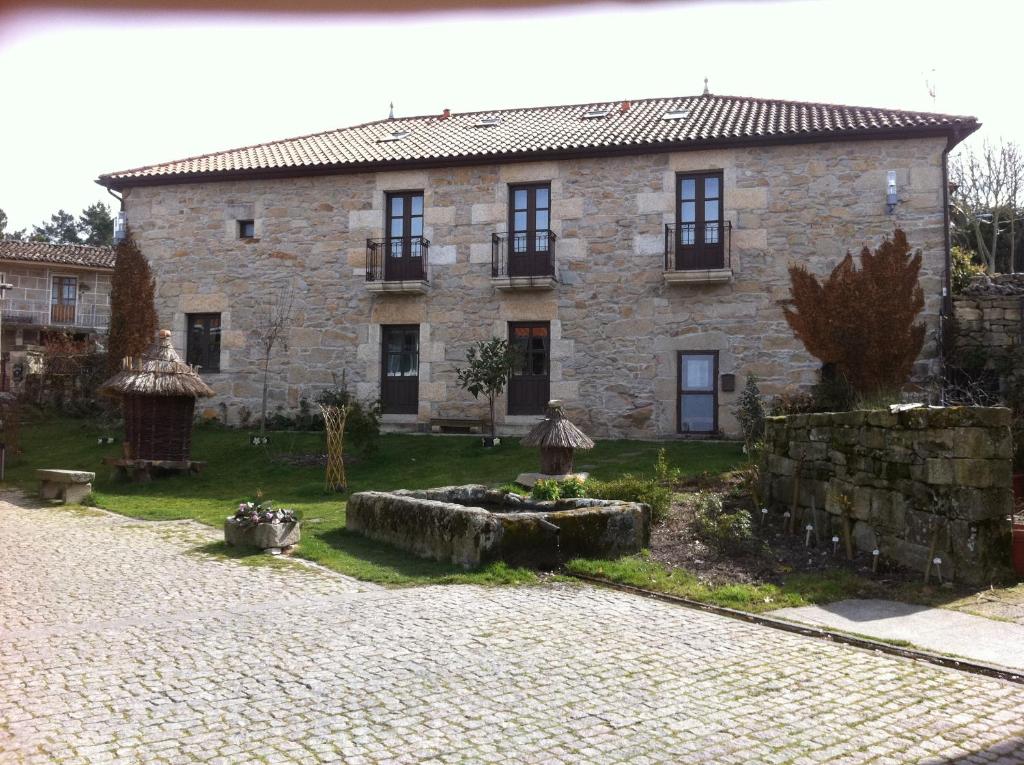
(934, 629)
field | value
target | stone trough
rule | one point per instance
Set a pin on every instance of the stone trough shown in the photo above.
(472, 525)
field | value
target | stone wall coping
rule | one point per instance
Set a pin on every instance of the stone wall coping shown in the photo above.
(924, 417)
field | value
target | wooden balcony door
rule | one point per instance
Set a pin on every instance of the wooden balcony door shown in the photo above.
(403, 256)
(529, 246)
(699, 226)
(400, 369)
(529, 387)
(63, 299)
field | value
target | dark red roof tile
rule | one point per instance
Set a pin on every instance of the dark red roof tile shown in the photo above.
(63, 254)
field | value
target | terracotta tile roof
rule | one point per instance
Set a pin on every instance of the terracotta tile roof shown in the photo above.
(585, 128)
(63, 254)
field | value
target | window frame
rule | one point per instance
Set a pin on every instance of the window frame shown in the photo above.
(204, 352)
(63, 277)
(699, 248)
(680, 392)
(242, 224)
(531, 217)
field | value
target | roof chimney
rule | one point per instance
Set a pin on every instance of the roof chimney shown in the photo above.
(625, 106)
(706, 91)
(446, 114)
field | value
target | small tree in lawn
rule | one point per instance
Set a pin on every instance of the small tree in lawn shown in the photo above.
(862, 321)
(751, 413)
(270, 331)
(133, 320)
(490, 364)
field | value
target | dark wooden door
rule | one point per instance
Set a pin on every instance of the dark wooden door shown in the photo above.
(403, 256)
(699, 222)
(529, 251)
(529, 387)
(400, 369)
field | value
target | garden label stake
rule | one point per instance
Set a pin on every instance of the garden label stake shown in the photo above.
(875, 555)
(764, 515)
(835, 546)
(931, 551)
(807, 540)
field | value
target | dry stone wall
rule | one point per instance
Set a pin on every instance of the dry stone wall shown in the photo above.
(616, 326)
(906, 482)
(990, 316)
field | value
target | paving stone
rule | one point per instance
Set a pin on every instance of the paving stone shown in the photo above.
(119, 642)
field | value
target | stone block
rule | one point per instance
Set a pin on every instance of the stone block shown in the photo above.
(982, 473)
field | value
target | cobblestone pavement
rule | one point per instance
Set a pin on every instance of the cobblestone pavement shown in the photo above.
(118, 643)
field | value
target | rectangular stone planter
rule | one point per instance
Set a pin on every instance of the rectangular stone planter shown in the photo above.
(260, 535)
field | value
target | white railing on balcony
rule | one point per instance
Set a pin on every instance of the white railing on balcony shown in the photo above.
(41, 314)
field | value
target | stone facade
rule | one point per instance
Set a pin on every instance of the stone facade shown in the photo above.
(616, 326)
(910, 483)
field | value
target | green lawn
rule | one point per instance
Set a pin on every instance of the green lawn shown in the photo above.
(235, 471)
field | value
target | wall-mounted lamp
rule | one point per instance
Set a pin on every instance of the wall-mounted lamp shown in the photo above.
(891, 199)
(120, 225)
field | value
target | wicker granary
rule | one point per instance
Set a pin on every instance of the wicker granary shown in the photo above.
(557, 439)
(158, 393)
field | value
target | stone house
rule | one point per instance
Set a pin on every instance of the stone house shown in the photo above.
(54, 288)
(636, 251)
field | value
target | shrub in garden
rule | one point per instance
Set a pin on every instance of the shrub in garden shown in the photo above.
(572, 488)
(862, 321)
(631, 488)
(751, 413)
(725, 532)
(664, 472)
(133, 320)
(546, 491)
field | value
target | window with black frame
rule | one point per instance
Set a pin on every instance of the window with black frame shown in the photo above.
(202, 347)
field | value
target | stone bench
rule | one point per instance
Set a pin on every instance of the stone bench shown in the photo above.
(69, 486)
(457, 425)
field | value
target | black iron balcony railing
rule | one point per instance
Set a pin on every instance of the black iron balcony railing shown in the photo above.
(698, 246)
(523, 254)
(397, 260)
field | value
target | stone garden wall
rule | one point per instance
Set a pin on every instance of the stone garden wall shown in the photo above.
(990, 315)
(902, 482)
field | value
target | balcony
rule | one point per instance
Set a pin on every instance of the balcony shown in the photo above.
(397, 265)
(528, 264)
(38, 313)
(694, 259)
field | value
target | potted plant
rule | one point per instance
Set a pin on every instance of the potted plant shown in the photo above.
(491, 362)
(263, 526)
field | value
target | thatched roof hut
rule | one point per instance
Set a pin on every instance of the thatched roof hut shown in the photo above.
(557, 439)
(158, 392)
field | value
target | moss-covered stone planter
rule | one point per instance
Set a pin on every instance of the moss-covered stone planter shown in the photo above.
(264, 536)
(471, 525)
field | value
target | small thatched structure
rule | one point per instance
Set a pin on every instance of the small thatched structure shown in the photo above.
(557, 439)
(158, 393)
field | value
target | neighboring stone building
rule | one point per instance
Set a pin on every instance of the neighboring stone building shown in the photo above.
(55, 288)
(637, 251)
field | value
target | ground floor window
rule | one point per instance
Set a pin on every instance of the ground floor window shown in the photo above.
(400, 369)
(698, 396)
(202, 347)
(529, 387)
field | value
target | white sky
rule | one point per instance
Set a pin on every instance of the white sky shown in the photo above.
(86, 94)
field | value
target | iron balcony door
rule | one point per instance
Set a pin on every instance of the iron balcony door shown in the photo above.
(400, 369)
(403, 256)
(530, 221)
(529, 387)
(63, 299)
(699, 223)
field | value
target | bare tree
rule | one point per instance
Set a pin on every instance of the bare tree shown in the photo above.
(270, 331)
(988, 184)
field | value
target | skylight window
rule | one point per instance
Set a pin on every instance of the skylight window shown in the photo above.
(677, 114)
(596, 114)
(396, 135)
(487, 122)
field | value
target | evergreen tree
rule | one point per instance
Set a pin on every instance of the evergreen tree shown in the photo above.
(133, 320)
(862, 321)
(61, 229)
(96, 224)
(5, 234)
